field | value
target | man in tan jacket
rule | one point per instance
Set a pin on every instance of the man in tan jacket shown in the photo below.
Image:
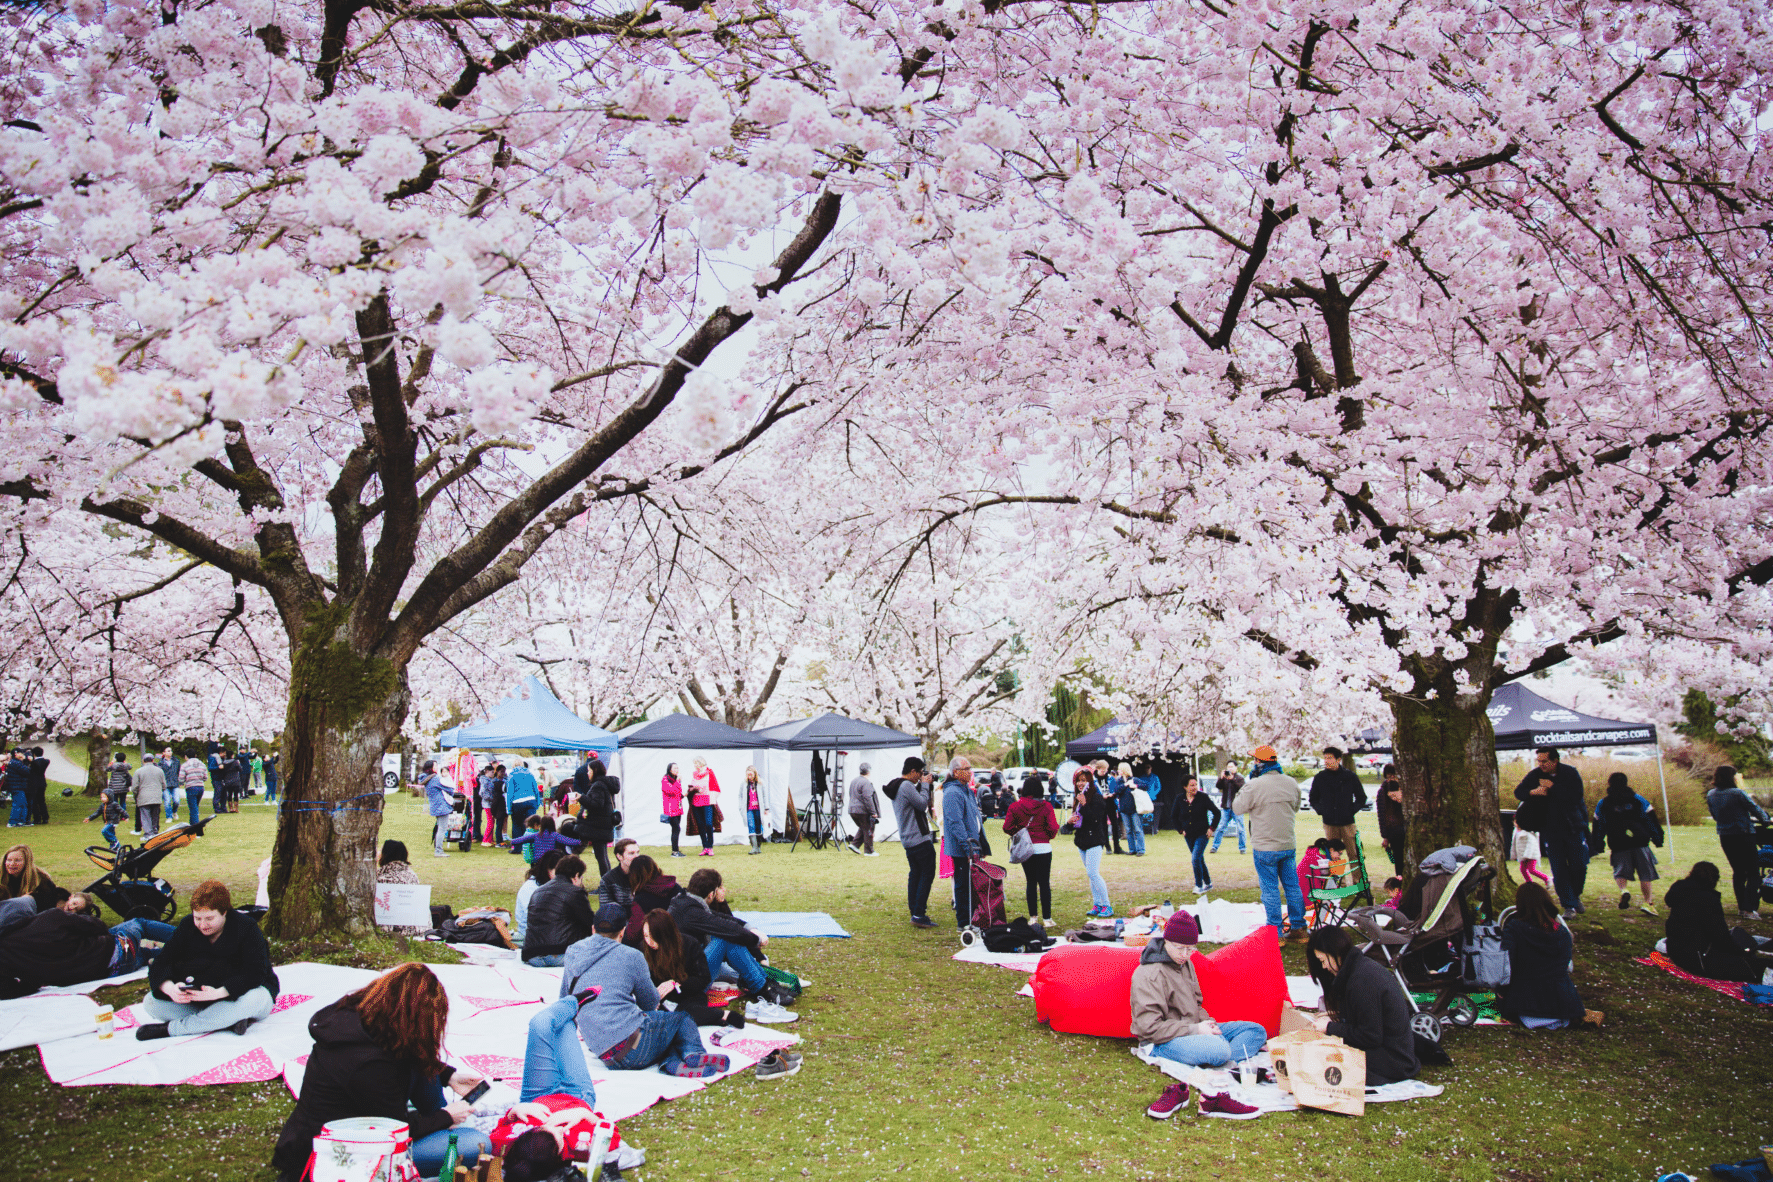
(1169, 1015)
(1269, 803)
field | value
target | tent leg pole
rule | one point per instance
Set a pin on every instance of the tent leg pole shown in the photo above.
(1667, 820)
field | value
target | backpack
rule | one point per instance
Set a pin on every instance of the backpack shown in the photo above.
(1016, 936)
(1021, 847)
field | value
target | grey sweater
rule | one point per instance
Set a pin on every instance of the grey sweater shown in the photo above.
(911, 801)
(627, 986)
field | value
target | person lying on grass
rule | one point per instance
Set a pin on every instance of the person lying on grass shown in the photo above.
(214, 973)
(701, 912)
(623, 1024)
(1170, 1017)
(373, 1051)
(1367, 1007)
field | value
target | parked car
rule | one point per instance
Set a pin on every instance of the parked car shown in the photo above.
(1632, 754)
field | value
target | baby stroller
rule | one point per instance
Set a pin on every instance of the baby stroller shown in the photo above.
(1764, 854)
(1425, 953)
(988, 905)
(129, 887)
(457, 829)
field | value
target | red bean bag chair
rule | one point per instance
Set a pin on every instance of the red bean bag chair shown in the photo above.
(1084, 988)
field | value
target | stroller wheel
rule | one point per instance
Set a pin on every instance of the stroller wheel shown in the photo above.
(1462, 1011)
(1427, 1025)
(968, 937)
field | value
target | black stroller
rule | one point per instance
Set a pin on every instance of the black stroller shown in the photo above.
(1426, 953)
(129, 886)
(1764, 857)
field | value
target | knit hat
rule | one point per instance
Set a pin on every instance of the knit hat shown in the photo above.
(1182, 928)
(611, 917)
(1266, 754)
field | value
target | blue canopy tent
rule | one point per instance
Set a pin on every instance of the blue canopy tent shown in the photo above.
(531, 719)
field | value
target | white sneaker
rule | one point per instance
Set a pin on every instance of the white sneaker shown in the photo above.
(851, 848)
(1047, 923)
(876, 854)
(769, 1013)
(1200, 890)
(440, 853)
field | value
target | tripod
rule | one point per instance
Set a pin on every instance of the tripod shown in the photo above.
(820, 825)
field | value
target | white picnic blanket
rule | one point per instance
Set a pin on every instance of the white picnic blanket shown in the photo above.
(1268, 1097)
(1223, 922)
(490, 1009)
(1022, 962)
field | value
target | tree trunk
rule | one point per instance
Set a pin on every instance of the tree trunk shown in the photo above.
(98, 755)
(344, 711)
(1446, 757)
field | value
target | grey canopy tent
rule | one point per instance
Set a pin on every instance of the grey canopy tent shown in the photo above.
(834, 735)
(649, 748)
(1524, 721)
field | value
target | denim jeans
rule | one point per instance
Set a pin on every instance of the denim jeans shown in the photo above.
(751, 974)
(666, 1036)
(1135, 834)
(428, 1151)
(138, 930)
(1229, 820)
(1569, 866)
(21, 807)
(1235, 1042)
(1277, 871)
(554, 1059)
(1197, 846)
(754, 822)
(920, 875)
(182, 1019)
(1092, 862)
(194, 800)
(109, 832)
(169, 800)
(546, 962)
(270, 789)
(705, 824)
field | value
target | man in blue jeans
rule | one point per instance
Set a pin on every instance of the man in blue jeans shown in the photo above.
(701, 911)
(1268, 804)
(624, 1024)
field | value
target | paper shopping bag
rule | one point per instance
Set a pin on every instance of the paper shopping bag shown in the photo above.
(1283, 1047)
(1329, 1076)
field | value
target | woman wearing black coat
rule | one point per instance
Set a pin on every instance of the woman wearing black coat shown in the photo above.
(1091, 819)
(1700, 940)
(1367, 1007)
(674, 955)
(1540, 994)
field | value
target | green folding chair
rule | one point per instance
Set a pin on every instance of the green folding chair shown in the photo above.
(1335, 902)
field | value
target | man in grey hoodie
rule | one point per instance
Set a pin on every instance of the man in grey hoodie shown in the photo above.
(911, 807)
(864, 812)
(623, 1025)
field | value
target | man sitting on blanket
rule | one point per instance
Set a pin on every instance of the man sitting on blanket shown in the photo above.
(1169, 1015)
(698, 912)
(623, 1024)
(214, 973)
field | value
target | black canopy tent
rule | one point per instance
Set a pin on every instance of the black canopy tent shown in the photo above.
(835, 735)
(683, 730)
(1172, 767)
(1524, 721)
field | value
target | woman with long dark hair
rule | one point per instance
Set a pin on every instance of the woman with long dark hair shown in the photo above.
(1699, 939)
(1091, 838)
(1364, 1006)
(1197, 816)
(1540, 994)
(374, 1051)
(1736, 813)
(1032, 812)
(676, 958)
(671, 805)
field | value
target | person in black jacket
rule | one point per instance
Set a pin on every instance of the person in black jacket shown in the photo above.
(726, 941)
(1394, 830)
(559, 916)
(1367, 1007)
(1553, 803)
(57, 947)
(214, 974)
(1198, 816)
(1626, 825)
(1700, 940)
(1337, 795)
(375, 1050)
(1540, 994)
(672, 955)
(597, 808)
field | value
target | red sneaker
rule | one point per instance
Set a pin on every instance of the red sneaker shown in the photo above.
(1174, 1099)
(1223, 1105)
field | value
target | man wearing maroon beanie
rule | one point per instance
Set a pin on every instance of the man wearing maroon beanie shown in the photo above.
(1168, 1014)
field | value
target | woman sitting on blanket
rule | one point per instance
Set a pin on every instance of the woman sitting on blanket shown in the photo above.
(1700, 940)
(375, 1051)
(396, 866)
(1169, 1016)
(673, 956)
(653, 891)
(20, 878)
(1540, 994)
(214, 973)
(1367, 1007)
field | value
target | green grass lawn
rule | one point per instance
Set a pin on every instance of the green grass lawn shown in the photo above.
(920, 1066)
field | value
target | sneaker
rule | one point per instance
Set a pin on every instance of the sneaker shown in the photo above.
(1173, 1100)
(852, 847)
(687, 1070)
(1580, 909)
(674, 853)
(151, 1030)
(1647, 909)
(1199, 890)
(1222, 1105)
(1296, 936)
(919, 921)
(1047, 923)
(769, 1013)
(775, 1065)
(440, 853)
(1625, 901)
(707, 853)
(873, 854)
(789, 1053)
(707, 1059)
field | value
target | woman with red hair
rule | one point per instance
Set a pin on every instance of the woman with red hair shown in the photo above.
(374, 1050)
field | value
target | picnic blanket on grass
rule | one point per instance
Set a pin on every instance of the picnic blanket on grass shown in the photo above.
(1268, 1097)
(1733, 989)
(791, 923)
(489, 1013)
(1021, 962)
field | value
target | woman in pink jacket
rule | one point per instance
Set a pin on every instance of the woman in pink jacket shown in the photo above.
(703, 789)
(671, 811)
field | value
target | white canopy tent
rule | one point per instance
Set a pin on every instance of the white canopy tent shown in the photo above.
(648, 748)
(790, 764)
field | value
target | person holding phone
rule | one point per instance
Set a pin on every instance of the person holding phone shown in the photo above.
(213, 974)
(679, 969)
(374, 1051)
